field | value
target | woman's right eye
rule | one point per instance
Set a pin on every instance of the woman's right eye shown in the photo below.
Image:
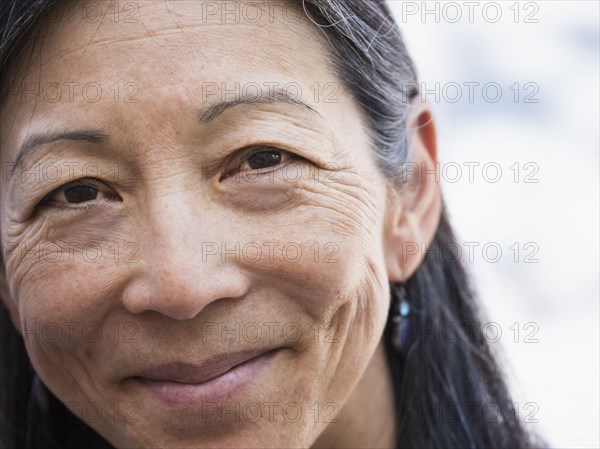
(80, 194)
(75, 194)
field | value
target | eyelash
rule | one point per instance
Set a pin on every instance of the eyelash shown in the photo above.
(78, 183)
(238, 165)
(237, 162)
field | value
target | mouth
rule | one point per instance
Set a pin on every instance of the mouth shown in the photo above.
(213, 381)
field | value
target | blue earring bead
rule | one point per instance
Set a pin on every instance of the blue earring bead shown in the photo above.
(401, 320)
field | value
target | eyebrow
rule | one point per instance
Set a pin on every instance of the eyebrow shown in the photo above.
(206, 115)
(88, 135)
(277, 95)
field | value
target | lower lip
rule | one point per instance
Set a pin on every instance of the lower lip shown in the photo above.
(216, 390)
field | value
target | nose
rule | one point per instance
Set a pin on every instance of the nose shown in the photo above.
(173, 277)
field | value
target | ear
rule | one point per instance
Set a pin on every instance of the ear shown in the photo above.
(414, 209)
(7, 300)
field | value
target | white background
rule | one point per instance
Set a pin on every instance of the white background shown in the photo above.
(559, 293)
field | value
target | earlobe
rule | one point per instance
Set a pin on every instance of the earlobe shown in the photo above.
(416, 208)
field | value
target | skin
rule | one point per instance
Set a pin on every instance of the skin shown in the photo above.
(169, 198)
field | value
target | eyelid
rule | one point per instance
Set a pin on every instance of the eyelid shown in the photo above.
(88, 182)
(264, 149)
(235, 164)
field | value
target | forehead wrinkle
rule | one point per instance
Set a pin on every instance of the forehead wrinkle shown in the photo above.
(236, 32)
(286, 64)
(123, 35)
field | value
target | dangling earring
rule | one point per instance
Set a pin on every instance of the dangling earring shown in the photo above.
(400, 319)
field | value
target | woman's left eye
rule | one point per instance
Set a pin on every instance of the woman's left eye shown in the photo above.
(267, 158)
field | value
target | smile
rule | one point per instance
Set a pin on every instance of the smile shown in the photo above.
(216, 380)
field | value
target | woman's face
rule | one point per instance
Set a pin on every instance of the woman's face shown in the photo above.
(197, 190)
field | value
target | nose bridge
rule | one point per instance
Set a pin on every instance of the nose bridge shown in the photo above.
(171, 212)
(176, 279)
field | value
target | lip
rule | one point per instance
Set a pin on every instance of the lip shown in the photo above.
(214, 380)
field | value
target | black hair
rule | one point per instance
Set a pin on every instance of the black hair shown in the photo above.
(442, 386)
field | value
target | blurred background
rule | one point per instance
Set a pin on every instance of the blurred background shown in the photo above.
(514, 88)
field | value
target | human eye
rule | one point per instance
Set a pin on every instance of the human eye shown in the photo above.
(78, 194)
(263, 159)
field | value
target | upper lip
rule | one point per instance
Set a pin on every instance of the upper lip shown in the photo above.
(190, 373)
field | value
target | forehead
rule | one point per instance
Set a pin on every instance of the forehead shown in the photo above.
(207, 36)
(99, 56)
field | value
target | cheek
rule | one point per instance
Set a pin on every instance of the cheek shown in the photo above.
(62, 280)
(61, 283)
(62, 314)
(331, 249)
(66, 336)
(329, 267)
